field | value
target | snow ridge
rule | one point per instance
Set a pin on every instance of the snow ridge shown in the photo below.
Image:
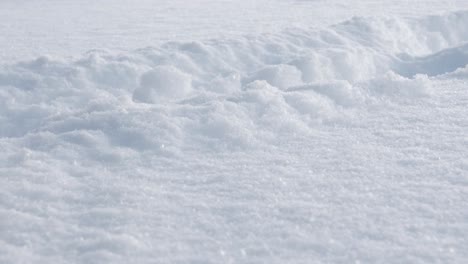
(296, 76)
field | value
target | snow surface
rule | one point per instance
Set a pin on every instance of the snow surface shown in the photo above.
(233, 131)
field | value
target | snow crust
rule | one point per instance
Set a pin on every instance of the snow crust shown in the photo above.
(341, 144)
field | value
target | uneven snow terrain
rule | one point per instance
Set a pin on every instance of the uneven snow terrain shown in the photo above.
(233, 131)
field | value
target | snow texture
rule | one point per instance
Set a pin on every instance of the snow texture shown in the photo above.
(339, 142)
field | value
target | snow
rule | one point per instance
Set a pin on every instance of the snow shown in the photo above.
(160, 83)
(233, 131)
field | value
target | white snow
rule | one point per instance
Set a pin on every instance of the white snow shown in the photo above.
(160, 83)
(233, 131)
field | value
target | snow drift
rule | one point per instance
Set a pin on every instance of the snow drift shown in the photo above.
(343, 144)
(192, 85)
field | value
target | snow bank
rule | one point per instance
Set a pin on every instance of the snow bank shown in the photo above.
(234, 90)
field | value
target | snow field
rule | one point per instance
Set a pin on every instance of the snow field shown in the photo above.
(345, 144)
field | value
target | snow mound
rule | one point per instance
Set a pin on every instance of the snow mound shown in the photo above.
(295, 77)
(166, 82)
(281, 76)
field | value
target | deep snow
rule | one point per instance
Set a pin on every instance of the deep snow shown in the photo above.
(69, 28)
(328, 138)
